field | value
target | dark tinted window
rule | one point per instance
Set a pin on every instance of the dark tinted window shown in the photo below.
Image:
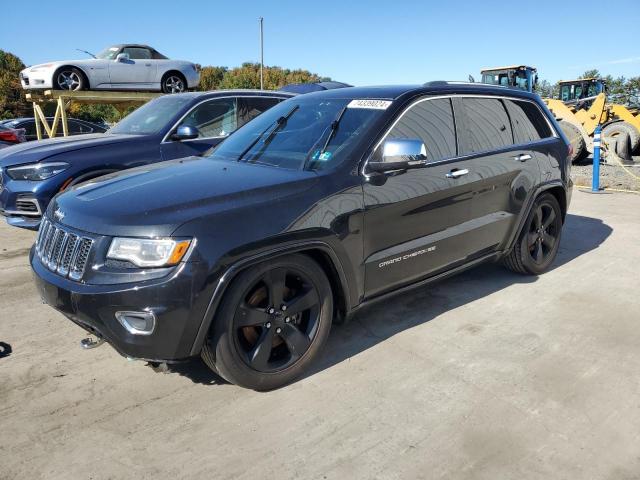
(529, 123)
(29, 129)
(432, 122)
(250, 107)
(215, 118)
(488, 126)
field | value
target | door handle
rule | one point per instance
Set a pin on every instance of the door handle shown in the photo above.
(455, 173)
(522, 158)
(147, 64)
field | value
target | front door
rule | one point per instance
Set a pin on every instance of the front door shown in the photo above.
(214, 119)
(415, 221)
(138, 70)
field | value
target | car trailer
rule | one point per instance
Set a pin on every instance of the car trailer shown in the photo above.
(63, 98)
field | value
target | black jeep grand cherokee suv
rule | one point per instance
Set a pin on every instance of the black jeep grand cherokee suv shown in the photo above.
(320, 205)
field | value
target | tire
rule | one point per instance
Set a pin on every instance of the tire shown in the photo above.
(574, 135)
(537, 244)
(614, 129)
(173, 82)
(256, 343)
(69, 78)
(622, 148)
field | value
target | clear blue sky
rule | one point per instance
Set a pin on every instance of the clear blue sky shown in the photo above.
(363, 43)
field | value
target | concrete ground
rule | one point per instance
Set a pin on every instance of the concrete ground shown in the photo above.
(488, 375)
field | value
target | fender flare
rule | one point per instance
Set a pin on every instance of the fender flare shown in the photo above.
(523, 218)
(232, 271)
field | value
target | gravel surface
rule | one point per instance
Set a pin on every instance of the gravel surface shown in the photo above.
(611, 176)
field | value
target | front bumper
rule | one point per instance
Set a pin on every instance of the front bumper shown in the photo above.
(40, 79)
(93, 307)
(22, 202)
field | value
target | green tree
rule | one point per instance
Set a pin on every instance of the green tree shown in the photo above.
(594, 73)
(211, 78)
(12, 97)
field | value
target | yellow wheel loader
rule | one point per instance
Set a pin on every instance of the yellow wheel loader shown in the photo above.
(581, 107)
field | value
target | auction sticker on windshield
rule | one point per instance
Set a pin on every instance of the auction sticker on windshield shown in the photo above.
(374, 104)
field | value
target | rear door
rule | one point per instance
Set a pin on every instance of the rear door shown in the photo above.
(416, 220)
(493, 133)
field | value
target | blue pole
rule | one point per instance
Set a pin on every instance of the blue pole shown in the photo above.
(595, 182)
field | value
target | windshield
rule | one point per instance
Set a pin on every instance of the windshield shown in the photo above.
(301, 133)
(151, 117)
(108, 53)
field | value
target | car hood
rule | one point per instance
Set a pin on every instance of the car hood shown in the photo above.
(155, 200)
(30, 152)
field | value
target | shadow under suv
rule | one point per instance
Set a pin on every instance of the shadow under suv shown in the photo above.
(322, 204)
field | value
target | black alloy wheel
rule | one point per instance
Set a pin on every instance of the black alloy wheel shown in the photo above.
(537, 245)
(272, 323)
(543, 233)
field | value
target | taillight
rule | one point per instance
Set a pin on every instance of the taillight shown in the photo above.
(9, 136)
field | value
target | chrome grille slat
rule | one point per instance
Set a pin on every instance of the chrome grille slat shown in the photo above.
(70, 250)
(62, 251)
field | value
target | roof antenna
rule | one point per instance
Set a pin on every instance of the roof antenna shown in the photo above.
(471, 79)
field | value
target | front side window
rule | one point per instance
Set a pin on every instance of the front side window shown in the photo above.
(487, 126)
(151, 117)
(529, 123)
(312, 134)
(137, 53)
(214, 118)
(432, 122)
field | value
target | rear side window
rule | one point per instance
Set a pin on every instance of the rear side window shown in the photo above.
(487, 127)
(529, 123)
(250, 107)
(432, 122)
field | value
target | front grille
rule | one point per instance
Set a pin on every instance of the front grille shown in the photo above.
(62, 251)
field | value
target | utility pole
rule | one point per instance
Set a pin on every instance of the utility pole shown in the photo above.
(261, 53)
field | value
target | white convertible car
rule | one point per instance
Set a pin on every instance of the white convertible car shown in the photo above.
(120, 67)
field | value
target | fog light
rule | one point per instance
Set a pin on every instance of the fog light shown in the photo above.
(137, 323)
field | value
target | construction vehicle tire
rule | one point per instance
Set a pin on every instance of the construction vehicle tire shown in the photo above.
(576, 139)
(614, 129)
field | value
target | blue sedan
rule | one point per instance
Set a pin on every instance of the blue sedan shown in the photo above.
(168, 127)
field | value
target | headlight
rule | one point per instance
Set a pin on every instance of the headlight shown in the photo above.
(36, 171)
(142, 252)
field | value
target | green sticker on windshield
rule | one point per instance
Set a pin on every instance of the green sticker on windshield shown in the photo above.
(325, 156)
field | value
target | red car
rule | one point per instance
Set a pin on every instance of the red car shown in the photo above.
(11, 136)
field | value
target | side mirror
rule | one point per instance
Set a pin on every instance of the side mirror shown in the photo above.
(122, 57)
(185, 132)
(401, 154)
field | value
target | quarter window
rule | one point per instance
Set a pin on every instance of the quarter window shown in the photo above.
(215, 118)
(432, 122)
(529, 124)
(488, 127)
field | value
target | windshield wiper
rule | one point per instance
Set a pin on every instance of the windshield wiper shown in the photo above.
(84, 51)
(333, 128)
(279, 123)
